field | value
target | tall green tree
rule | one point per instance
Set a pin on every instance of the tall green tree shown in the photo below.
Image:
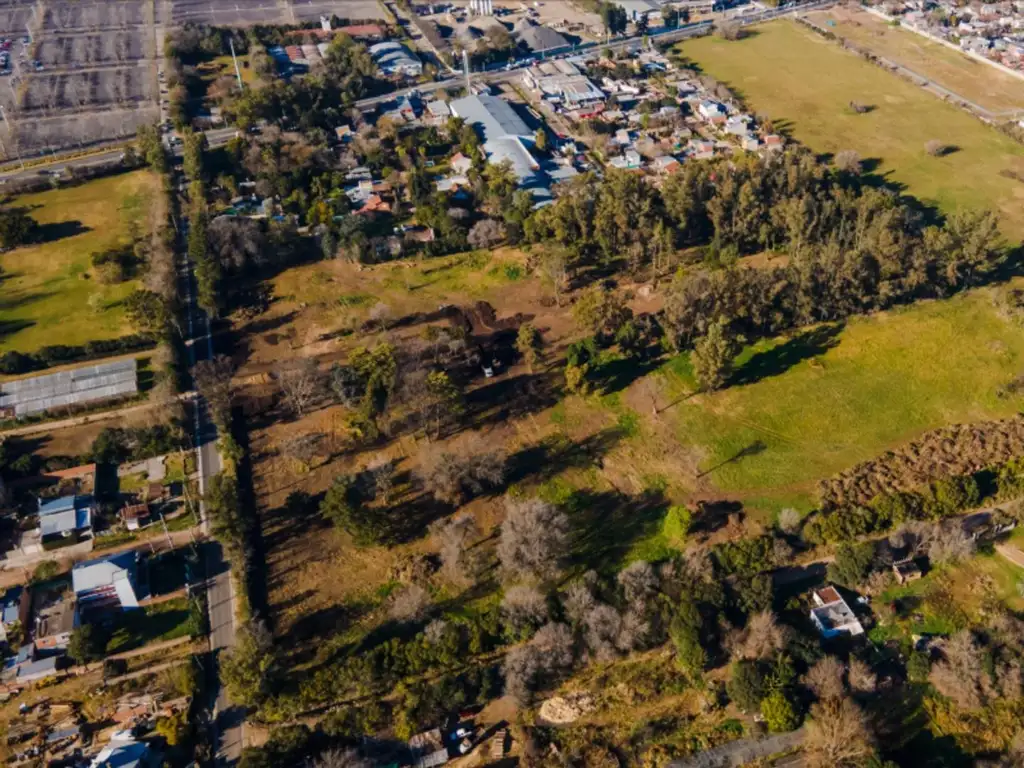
(713, 354)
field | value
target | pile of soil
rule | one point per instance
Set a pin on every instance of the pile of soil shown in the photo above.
(958, 450)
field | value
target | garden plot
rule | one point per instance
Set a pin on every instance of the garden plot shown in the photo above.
(91, 50)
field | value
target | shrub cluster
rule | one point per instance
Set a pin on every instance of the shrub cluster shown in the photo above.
(941, 498)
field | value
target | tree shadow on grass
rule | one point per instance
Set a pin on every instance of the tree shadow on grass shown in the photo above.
(510, 397)
(59, 230)
(11, 327)
(607, 524)
(557, 453)
(617, 375)
(780, 358)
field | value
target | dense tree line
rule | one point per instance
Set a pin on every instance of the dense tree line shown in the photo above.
(851, 248)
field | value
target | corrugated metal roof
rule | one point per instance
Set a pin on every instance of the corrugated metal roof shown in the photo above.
(495, 116)
(58, 523)
(85, 384)
(64, 503)
(130, 755)
(37, 669)
(114, 572)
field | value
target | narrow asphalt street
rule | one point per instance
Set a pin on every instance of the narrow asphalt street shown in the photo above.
(228, 720)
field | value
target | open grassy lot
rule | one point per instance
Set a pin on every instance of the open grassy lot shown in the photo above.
(806, 83)
(984, 85)
(829, 398)
(50, 295)
(156, 623)
(316, 304)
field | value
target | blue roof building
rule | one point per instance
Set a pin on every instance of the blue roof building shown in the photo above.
(64, 516)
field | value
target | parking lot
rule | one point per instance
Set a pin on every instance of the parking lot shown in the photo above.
(73, 73)
(121, 14)
(90, 50)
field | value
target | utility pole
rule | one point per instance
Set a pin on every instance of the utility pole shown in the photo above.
(234, 58)
(465, 68)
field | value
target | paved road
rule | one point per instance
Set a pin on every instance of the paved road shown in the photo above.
(228, 720)
(12, 171)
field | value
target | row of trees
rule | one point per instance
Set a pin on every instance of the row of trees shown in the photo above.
(852, 248)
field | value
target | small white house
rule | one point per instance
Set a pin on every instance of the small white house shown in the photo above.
(832, 616)
(711, 110)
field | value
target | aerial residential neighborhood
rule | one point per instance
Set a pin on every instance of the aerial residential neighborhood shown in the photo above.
(576, 383)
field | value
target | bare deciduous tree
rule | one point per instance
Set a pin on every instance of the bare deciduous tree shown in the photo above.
(603, 626)
(961, 674)
(341, 758)
(541, 662)
(486, 233)
(848, 160)
(434, 631)
(862, 679)
(381, 470)
(534, 538)
(213, 380)
(380, 315)
(303, 447)
(523, 608)
(949, 544)
(728, 30)
(410, 604)
(460, 472)
(837, 735)
(301, 385)
(825, 678)
(578, 598)
(761, 638)
(639, 583)
(454, 537)
(789, 520)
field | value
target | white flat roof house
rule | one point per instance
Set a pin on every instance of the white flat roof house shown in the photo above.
(832, 616)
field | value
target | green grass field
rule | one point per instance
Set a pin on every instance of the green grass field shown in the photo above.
(816, 411)
(49, 294)
(806, 83)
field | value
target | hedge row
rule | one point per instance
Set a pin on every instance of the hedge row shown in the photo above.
(61, 354)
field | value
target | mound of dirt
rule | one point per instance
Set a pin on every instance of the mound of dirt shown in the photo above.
(561, 710)
(958, 450)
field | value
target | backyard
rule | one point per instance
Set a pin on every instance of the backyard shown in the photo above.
(806, 85)
(51, 295)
